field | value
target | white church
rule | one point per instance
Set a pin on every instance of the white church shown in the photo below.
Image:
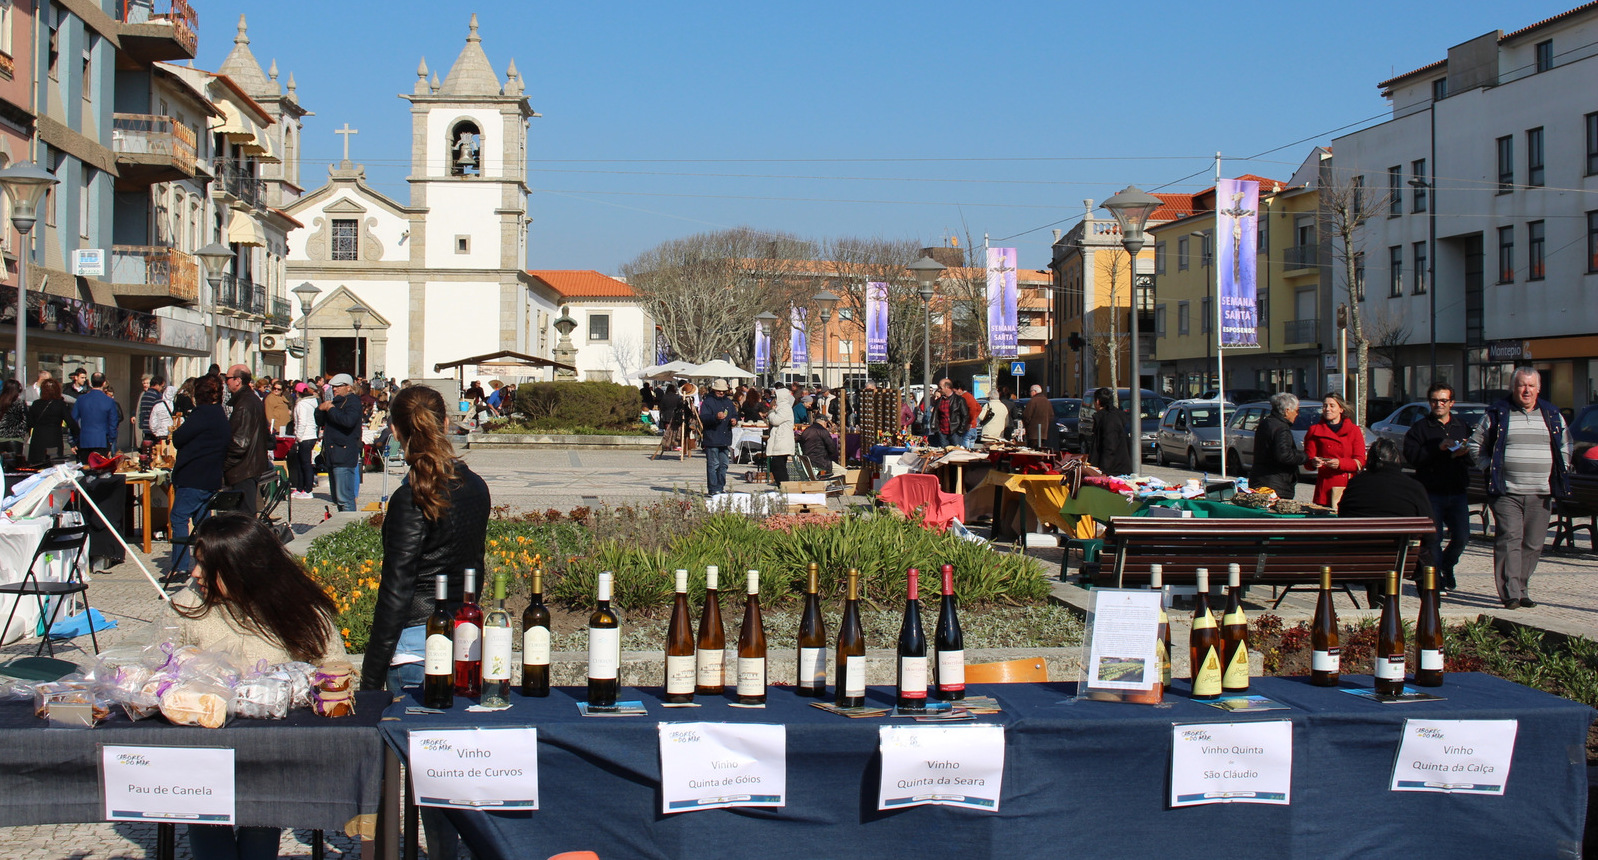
(442, 278)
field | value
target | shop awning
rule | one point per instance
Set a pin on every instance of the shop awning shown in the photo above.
(233, 123)
(243, 230)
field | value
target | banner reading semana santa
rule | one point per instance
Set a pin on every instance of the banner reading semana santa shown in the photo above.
(762, 348)
(1001, 302)
(1237, 204)
(798, 339)
(876, 321)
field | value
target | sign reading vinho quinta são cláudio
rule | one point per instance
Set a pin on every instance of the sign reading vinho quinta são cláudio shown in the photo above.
(712, 765)
(1232, 763)
(475, 768)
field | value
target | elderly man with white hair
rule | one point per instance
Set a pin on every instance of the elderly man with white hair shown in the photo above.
(1522, 442)
(1276, 454)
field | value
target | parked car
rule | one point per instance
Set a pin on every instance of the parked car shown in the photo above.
(1237, 395)
(1153, 409)
(1240, 427)
(1377, 408)
(1190, 433)
(1395, 425)
(1584, 430)
(1068, 421)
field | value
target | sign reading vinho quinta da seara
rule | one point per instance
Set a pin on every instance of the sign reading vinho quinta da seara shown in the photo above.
(941, 766)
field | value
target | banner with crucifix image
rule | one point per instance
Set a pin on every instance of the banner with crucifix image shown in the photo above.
(876, 321)
(1001, 302)
(798, 337)
(1237, 204)
(762, 348)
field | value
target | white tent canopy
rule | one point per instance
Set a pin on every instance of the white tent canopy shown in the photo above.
(718, 369)
(671, 369)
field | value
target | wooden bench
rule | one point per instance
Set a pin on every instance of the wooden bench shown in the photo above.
(1570, 511)
(1274, 552)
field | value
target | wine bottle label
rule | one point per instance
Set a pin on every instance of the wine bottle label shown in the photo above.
(1207, 674)
(913, 677)
(1204, 621)
(680, 674)
(951, 671)
(535, 646)
(1237, 617)
(812, 668)
(439, 652)
(751, 676)
(468, 642)
(1390, 668)
(1236, 676)
(1327, 661)
(854, 676)
(604, 652)
(710, 661)
(496, 653)
(1431, 660)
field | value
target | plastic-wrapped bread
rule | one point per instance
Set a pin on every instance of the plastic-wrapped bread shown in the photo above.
(194, 703)
(263, 697)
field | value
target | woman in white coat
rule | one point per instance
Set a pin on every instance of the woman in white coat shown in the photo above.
(780, 444)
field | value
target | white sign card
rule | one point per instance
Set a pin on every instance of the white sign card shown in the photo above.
(160, 783)
(475, 768)
(1123, 654)
(712, 765)
(941, 766)
(1232, 763)
(1455, 756)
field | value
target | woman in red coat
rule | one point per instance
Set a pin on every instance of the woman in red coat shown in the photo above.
(1335, 446)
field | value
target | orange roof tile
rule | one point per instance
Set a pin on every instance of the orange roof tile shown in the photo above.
(582, 283)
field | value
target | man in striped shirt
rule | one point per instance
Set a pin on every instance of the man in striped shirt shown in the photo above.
(1523, 443)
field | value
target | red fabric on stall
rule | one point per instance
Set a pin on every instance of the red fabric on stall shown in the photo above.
(910, 493)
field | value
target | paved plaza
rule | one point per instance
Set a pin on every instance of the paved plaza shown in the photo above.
(538, 479)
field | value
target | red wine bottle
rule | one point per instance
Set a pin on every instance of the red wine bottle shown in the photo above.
(1429, 634)
(469, 640)
(949, 670)
(438, 684)
(535, 642)
(1234, 636)
(1204, 644)
(1390, 643)
(851, 660)
(912, 685)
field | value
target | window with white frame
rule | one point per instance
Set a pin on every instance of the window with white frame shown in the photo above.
(7, 20)
(598, 327)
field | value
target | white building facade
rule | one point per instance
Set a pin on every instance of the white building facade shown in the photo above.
(614, 336)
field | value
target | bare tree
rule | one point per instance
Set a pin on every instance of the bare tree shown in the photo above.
(1345, 207)
(1388, 333)
(1109, 342)
(859, 261)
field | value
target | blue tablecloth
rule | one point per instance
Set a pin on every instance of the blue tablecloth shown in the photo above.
(1085, 779)
(880, 452)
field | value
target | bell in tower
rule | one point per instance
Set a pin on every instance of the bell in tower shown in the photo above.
(466, 148)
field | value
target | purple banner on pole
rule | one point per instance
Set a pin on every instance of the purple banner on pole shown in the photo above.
(762, 348)
(662, 348)
(1237, 204)
(798, 338)
(876, 321)
(1001, 302)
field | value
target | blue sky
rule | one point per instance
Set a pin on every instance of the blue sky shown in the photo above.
(923, 120)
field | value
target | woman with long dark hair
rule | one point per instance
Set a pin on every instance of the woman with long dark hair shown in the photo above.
(250, 597)
(46, 417)
(13, 417)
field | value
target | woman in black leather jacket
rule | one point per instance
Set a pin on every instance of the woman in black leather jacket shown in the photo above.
(437, 522)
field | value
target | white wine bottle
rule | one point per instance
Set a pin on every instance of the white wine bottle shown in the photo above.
(497, 641)
(1326, 657)
(680, 671)
(851, 660)
(604, 649)
(438, 683)
(752, 648)
(710, 655)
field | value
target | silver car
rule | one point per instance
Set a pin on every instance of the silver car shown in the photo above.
(1240, 427)
(1190, 433)
(1395, 426)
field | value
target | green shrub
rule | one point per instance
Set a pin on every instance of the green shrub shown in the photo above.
(560, 405)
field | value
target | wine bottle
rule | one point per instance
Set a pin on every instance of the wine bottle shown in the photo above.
(1390, 643)
(1429, 634)
(1204, 644)
(469, 640)
(752, 648)
(438, 684)
(535, 642)
(680, 666)
(1326, 658)
(1234, 635)
(604, 649)
(812, 677)
(712, 643)
(851, 658)
(1163, 640)
(496, 650)
(949, 670)
(912, 683)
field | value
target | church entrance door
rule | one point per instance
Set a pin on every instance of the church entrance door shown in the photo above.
(338, 356)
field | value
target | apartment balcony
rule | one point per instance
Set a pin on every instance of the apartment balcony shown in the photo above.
(240, 297)
(158, 30)
(151, 149)
(238, 183)
(1301, 332)
(1300, 257)
(281, 316)
(146, 277)
(1031, 333)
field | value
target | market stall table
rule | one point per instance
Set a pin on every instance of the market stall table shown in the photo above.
(306, 771)
(144, 484)
(1081, 779)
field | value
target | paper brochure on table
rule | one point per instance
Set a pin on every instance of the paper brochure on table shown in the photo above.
(715, 765)
(1455, 756)
(1122, 646)
(927, 765)
(1232, 763)
(475, 768)
(167, 784)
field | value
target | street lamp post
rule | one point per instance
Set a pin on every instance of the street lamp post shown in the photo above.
(824, 301)
(215, 257)
(24, 184)
(1431, 260)
(927, 271)
(767, 321)
(306, 293)
(1132, 208)
(357, 317)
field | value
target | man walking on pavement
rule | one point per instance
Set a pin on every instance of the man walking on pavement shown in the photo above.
(1438, 447)
(718, 414)
(1523, 443)
(342, 446)
(1037, 419)
(249, 453)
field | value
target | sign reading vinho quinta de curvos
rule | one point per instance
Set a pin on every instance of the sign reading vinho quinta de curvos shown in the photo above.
(475, 768)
